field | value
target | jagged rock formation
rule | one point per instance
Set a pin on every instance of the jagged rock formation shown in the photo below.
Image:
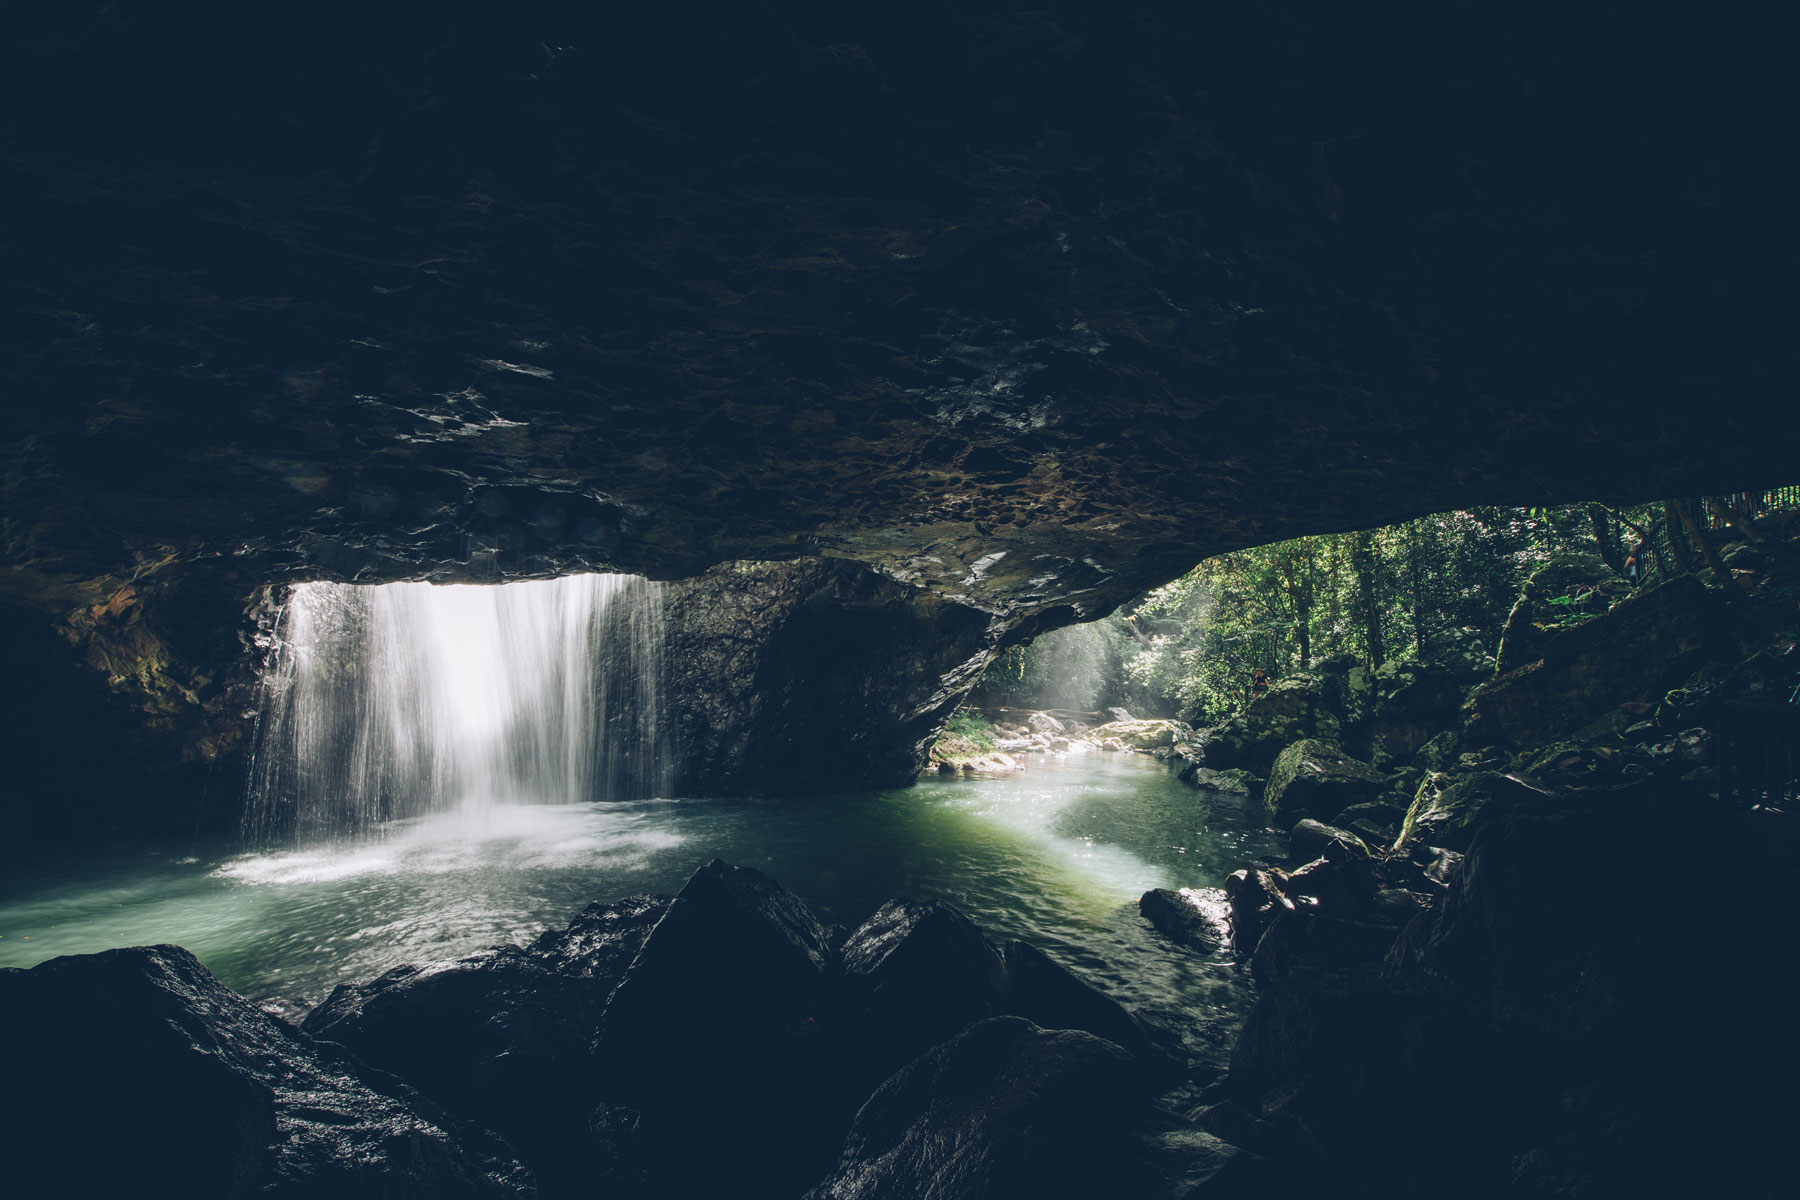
(137, 1073)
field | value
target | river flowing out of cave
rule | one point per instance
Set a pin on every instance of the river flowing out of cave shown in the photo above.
(1056, 854)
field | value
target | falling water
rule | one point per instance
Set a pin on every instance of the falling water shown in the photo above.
(390, 702)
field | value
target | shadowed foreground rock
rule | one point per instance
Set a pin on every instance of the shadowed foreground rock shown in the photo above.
(1006, 1110)
(723, 1019)
(1002, 1110)
(136, 1073)
(504, 1036)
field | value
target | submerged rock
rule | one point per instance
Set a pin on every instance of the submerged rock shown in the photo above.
(135, 1072)
(1186, 917)
(1232, 782)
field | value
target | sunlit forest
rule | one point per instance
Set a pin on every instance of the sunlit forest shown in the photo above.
(1192, 648)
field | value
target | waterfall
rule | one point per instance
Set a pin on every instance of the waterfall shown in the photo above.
(385, 702)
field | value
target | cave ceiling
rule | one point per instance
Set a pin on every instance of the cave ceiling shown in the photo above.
(1029, 306)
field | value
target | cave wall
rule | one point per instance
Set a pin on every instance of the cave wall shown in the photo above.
(1030, 307)
(1025, 310)
(812, 676)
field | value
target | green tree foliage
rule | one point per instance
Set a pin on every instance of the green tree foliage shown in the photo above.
(1192, 647)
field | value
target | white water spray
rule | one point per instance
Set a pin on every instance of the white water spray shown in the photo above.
(391, 702)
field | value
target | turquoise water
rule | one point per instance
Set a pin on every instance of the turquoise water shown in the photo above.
(1057, 854)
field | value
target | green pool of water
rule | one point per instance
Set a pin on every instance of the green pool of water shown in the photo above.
(1057, 854)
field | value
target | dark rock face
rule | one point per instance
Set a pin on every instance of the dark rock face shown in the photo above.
(1576, 1052)
(811, 676)
(1024, 310)
(505, 1036)
(1002, 1110)
(507, 297)
(135, 1072)
(611, 1048)
(1635, 652)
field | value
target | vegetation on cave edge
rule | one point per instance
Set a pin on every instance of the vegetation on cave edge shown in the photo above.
(1192, 648)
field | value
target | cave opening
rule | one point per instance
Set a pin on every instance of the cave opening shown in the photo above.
(898, 345)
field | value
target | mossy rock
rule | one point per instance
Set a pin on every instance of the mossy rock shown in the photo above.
(1633, 653)
(1295, 708)
(1378, 821)
(1447, 810)
(1233, 782)
(1314, 777)
(1541, 612)
(1440, 752)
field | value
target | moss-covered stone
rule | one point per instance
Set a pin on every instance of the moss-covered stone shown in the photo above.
(1448, 809)
(1295, 708)
(1318, 779)
(1635, 652)
(1233, 782)
(1564, 592)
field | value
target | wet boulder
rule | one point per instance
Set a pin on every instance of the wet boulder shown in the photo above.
(919, 972)
(136, 1072)
(1048, 994)
(1003, 1111)
(1313, 778)
(504, 1036)
(1256, 899)
(1377, 822)
(1310, 838)
(1042, 722)
(729, 996)
(1186, 917)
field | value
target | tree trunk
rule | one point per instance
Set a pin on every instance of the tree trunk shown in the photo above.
(1607, 537)
(1699, 535)
(1363, 562)
(1735, 518)
(1673, 525)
